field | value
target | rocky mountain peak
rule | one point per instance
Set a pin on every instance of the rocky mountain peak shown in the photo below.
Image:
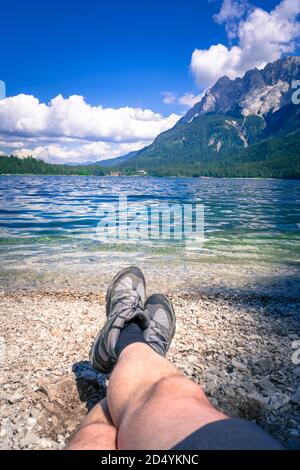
(258, 92)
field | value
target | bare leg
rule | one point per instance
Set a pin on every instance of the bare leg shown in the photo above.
(96, 431)
(152, 404)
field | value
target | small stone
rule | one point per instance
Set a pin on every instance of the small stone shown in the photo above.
(31, 421)
(6, 429)
(29, 439)
(211, 386)
(296, 371)
(295, 398)
(276, 401)
(239, 366)
(258, 399)
(35, 413)
(229, 391)
(15, 398)
(71, 425)
(55, 421)
(266, 363)
(192, 358)
(222, 358)
(47, 389)
(296, 344)
(248, 318)
(266, 386)
(49, 407)
(47, 443)
(255, 337)
(293, 336)
(248, 386)
(296, 357)
(55, 332)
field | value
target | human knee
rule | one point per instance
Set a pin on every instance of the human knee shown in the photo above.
(93, 436)
(176, 386)
(103, 430)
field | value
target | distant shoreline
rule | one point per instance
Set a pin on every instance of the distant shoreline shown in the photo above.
(156, 176)
(30, 166)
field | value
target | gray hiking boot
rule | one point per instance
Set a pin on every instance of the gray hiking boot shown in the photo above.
(161, 330)
(125, 299)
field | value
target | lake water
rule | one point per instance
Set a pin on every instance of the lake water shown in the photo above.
(48, 229)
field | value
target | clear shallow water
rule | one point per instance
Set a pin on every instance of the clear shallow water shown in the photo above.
(51, 221)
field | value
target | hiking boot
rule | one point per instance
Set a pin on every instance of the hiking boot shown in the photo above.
(161, 330)
(125, 299)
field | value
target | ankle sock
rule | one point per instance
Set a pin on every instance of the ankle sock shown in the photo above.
(132, 333)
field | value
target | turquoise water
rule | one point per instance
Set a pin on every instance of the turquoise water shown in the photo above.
(52, 220)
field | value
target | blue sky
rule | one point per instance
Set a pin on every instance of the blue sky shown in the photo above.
(115, 53)
(118, 54)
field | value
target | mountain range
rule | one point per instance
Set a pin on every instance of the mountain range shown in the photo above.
(249, 126)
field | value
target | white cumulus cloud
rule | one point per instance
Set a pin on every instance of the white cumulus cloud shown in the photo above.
(231, 11)
(169, 97)
(262, 37)
(92, 151)
(85, 131)
(73, 117)
(187, 100)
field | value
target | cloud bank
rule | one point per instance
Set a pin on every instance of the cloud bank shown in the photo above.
(70, 128)
(261, 37)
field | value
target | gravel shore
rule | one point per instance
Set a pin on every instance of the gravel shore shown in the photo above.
(243, 351)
